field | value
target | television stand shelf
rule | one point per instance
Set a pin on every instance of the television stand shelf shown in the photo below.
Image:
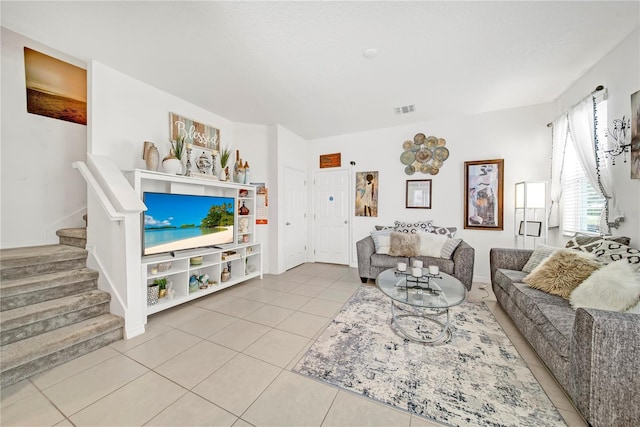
(245, 265)
(241, 257)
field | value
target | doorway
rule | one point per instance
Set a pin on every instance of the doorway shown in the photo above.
(332, 225)
(295, 218)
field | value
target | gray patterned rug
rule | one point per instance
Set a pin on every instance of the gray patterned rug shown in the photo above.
(477, 379)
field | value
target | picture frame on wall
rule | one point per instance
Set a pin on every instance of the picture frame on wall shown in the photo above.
(418, 194)
(483, 194)
(534, 228)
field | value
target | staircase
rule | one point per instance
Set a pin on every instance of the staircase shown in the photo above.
(51, 310)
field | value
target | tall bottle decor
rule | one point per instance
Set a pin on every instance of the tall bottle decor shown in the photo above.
(246, 172)
(151, 156)
(238, 169)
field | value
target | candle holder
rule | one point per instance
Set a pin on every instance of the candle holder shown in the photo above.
(420, 283)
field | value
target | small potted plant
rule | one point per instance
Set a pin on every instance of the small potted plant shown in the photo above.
(225, 153)
(173, 162)
(162, 286)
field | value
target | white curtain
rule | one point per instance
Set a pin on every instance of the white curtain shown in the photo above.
(558, 144)
(582, 129)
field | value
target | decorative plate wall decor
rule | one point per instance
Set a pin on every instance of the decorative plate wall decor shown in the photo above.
(425, 154)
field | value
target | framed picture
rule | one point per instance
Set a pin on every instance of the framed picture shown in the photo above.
(55, 88)
(367, 193)
(534, 228)
(483, 187)
(418, 194)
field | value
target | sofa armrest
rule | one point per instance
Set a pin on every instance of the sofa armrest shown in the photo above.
(365, 248)
(507, 258)
(463, 259)
(605, 384)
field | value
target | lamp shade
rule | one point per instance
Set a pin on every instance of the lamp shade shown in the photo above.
(531, 195)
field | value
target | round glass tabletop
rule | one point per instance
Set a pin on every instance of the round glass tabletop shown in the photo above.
(442, 291)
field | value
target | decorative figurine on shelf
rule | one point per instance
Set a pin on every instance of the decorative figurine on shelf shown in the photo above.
(244, 225)
(243, 209)
(203, 163)
(225, 275)
(193, 283)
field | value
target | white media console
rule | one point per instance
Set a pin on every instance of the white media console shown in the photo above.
(244, 261)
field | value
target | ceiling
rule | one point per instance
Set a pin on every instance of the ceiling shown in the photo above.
(301, 64)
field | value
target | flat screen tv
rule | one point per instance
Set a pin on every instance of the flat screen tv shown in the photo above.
(176, 222)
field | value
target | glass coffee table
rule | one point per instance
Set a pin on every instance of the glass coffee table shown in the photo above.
(426, 298)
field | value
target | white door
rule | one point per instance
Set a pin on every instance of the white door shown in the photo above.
(295, 218)
(332, 207)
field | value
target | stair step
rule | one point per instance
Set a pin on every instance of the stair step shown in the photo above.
(36, 289)
(22, 359)
(31, 320)
(73, 237)
(16, 263)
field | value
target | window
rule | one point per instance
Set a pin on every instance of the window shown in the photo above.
(582, 204)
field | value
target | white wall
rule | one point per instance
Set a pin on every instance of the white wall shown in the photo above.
(40, 191)
(125, 112)
(519, 136)
(256, 147)
(619, 72)
(291, 152)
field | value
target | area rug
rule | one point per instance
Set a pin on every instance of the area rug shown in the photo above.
(477, 379)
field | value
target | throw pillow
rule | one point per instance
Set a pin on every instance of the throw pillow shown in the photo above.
(431, 244)
(449, 248)
(450, 232)
(635, 309)
(413, 227)
(608, 252)
(404, 244)
(614, 287)
(385, 227)
(588, 243)
(539, 254)
(382, 241)
(562, 272)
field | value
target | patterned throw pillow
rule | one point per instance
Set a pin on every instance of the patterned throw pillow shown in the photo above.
(562, 272)
(385, 227)
(450, 232)
(382, 241)
(588, 243)
(607, 252)
(449, 248)
(413, 227)
(404, 244)
(539, 254)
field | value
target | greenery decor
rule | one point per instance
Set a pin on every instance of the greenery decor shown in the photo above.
(224, 157)
(177, 147)
(161, 282)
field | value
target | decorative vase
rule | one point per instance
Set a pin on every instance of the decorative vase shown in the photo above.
(243, 209)
(151, 156)
(152, 294)
(225, 275)
(172, 165)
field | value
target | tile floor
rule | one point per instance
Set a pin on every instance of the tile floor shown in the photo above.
(226, 360)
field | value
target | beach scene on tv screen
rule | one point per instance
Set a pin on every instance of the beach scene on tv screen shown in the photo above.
(174, 222)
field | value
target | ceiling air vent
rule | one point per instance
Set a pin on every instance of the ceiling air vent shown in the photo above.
(405, 109)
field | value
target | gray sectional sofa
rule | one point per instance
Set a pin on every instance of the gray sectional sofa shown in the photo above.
(594, 354)
(370, 264)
